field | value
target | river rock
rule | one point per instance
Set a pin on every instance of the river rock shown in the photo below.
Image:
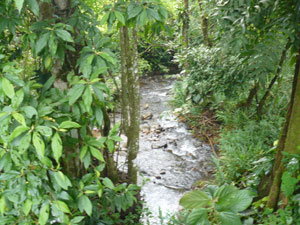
(147, 116)
(159, 145)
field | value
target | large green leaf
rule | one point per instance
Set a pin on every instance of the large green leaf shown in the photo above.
(229, 218)
(65, 35)
(62, 206)
(134, 10)
(108, 183)
(75, 93)
(97, 154)
(20, 118)
(8, 88)
(198, 217)
(143, 18)
(19, 4)
(56, 145)
(42, 42)
(241, 201)
(288, 184)
(39, 144)
(62, 180)
(27, 207)
(120, 17)
(44, 215)
(99, 115)
(34, 6)
(87, 98)
(44, 130)
(17, 132)
(85, 204)
(29, 111)
(98, 92)
(104, 18)
(68, 125)
(225, 195)
(195, 199)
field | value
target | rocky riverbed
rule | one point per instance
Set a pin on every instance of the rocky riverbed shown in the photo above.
(170, 160)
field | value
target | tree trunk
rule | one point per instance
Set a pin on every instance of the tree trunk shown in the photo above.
(267, 93)
(204, 26)
(130, 96)
(290, 137)
(185, 26)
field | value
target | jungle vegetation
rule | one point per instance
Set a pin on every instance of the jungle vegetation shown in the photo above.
(67, 66)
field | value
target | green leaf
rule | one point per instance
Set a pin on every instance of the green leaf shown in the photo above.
(62, 206)
(8, 88)
(98, 92)
(99, 115)
(27, 207)
(56, 145)
(69, 124)
(77, 219)
(75, 93)
(107, 57)
(52, 45)
(17, 132)
(104, 18)
(108, 183)
(229, 218)
(65, 35)
(110, 145)
(153, 14)
(85, 204)
(120, 17)
(44, 215)
(198, 217)
(87, 98)
(39, 144)
(62, 180)
(19, 4)
(2, 205)
(195, 199)
(34, 6)
(29, 111)
(42, 42)
(18, 98)
(134, 10)
(241, 201)
(288, 184)
(143, 18)
(226, 196)
(43, 130)
(83, 152)
(20, 118)
(48, 84)
(97, 154)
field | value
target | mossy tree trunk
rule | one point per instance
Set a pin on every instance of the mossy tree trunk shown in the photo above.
(290, 138)
(205, 26)
(130, 96)
(185, 26)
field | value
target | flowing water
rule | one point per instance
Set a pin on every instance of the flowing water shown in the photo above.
(170, 160)
(169, 157)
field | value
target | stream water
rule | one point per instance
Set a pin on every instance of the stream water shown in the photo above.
(170, 160)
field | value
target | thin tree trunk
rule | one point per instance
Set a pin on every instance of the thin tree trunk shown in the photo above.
(186, 20)
(124, 82)
(204, 26)
(267, 93)
(134, 107)
(252, 94)
(130, 97)
(290, 137)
